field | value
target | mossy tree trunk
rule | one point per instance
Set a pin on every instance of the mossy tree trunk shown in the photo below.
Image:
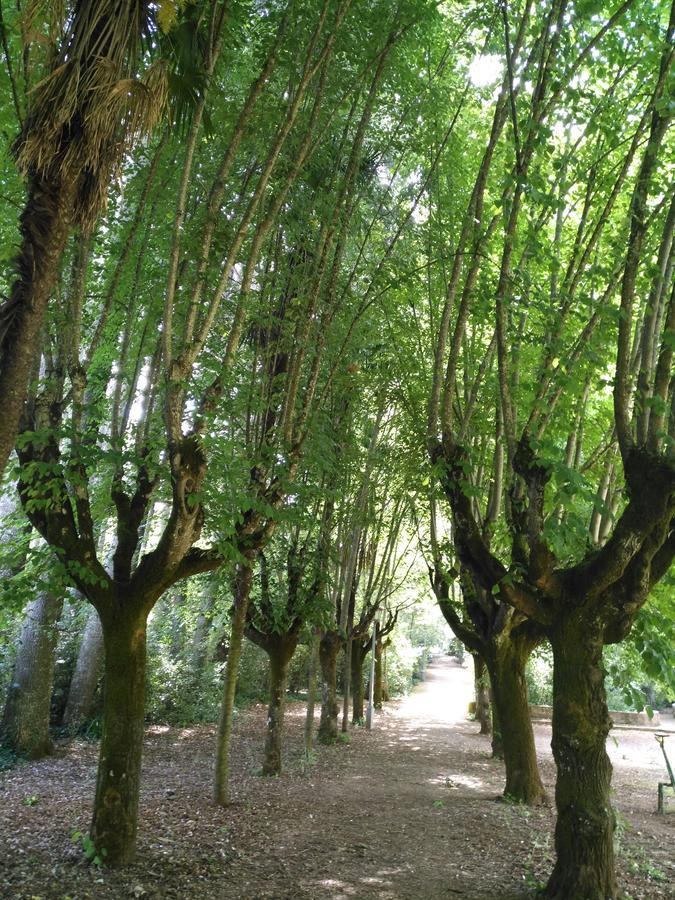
(311, 690)
(279, 648)
(506, 660)
(482, 693)
(584, 834)
(328, 653)
(496, 744)
(115, 820)
(504, 639)
(358, 657)
(280, 654)
(378, 689)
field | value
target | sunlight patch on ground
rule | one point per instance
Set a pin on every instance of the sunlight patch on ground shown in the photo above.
(338, 889)
(406, 740)
(456, 780)
(186, 733)
(431, 726)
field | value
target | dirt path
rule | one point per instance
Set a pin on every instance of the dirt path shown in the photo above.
(407, 811)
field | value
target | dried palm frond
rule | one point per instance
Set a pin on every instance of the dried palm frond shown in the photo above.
(93, 104)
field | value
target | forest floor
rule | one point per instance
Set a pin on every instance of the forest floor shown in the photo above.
(406, 811)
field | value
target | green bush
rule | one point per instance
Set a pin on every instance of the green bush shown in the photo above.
(400, 661)
(539, 677)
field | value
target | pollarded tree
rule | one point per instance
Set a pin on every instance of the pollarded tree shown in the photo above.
(383, 566)
(501, 637)
(363, 644)
(142, 400)
(286, 604)
(504, 639)
(581, 597)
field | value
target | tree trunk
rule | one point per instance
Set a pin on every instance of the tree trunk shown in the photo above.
(496, 744)
(328, 653)
(115, 820)
(584, 834)
(27, 711)
(279, 660)
(506, 664)
(311, 690)
(482, 693)
(44, 230)
(378, 688)
(346, 680)
(85, 677)
(242, 591)
(358, 657)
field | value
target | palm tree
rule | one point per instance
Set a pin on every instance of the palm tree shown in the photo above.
(88, 108)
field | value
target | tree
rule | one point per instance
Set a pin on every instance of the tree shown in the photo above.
(92, 100)
(581, 603)
(504, 639)
(26, 718)
(210, 429)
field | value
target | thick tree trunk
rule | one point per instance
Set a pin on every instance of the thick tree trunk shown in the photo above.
(482, 693)
(279, 660)
(584, 834)
(27, 711)
(44, 227)
(506, 664)
(85, 677)
(115, 820)
(242, 592)
(328, 653)
(358, 656)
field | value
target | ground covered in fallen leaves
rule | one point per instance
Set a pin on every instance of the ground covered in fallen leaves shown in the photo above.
(406, 811)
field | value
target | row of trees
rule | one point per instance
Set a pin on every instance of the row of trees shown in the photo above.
(344, 285)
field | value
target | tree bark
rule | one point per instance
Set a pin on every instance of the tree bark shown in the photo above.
(584, 834)
(311, 691)
(115, 820)
(346, 680)
(378, 690)
(328, 653)
(27, 711)
(506, 663)
(497, 744)
(85, 677)
(482, 693)
(279, 660)
(358, 656)
(242, 591)
(45, 224)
